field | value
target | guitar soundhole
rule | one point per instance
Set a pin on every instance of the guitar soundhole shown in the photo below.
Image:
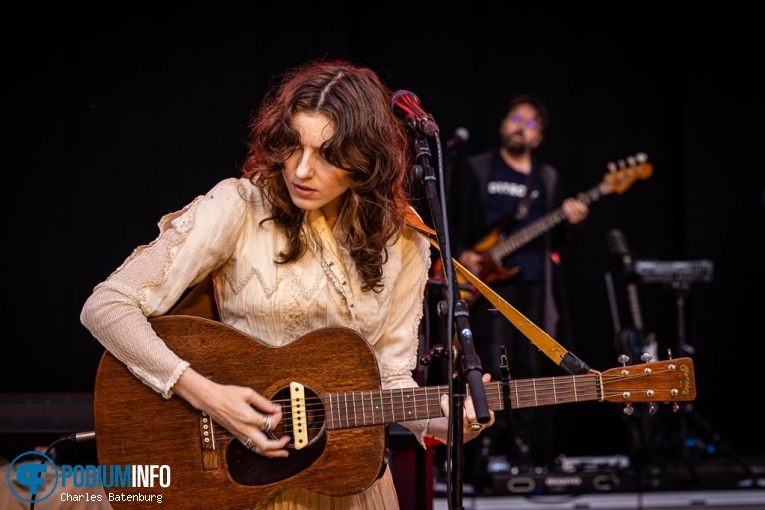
(249, 468)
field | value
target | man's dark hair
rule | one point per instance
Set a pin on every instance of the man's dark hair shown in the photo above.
(538, 104)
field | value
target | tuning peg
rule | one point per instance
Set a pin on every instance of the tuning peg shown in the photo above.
(623, 359)
(631, 161)
(642, 157)
(646, 357)
(611, 166)
(628, 410)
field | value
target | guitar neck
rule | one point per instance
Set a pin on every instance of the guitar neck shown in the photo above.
(538, 227)
(363, 408)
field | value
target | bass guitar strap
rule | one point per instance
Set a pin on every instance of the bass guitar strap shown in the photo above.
(525, 202)
(556, 352)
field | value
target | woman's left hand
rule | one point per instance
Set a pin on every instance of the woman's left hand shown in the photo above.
(439, 427)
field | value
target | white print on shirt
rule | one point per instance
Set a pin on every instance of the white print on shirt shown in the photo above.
(512, 189)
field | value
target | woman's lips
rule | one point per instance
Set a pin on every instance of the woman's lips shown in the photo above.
(303, 191)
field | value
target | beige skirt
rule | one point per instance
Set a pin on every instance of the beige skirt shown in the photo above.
(380, 496)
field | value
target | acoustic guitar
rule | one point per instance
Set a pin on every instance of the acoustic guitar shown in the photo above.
(333, 409)
(495, 246)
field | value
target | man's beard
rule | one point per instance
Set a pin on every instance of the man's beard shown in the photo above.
(515, 146)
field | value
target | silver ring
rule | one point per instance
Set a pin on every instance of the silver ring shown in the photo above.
(248, 443)
(266, 423)
(475, 426)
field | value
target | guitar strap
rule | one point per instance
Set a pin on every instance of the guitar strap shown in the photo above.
(523, 205)
(545, 342)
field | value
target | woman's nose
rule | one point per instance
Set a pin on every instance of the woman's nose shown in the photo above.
(303, 169)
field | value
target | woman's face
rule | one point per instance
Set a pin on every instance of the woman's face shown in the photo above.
(312, 181)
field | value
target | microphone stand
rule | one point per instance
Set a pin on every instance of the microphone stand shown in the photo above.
(469, 374)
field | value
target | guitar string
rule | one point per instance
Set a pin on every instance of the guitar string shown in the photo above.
(531, 392)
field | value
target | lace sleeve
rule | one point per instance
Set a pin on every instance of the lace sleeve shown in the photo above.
(191, 244)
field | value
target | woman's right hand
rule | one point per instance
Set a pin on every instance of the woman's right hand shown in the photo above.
(241, 411)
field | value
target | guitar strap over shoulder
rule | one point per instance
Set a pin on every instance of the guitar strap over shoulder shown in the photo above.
(556, 352)
(523, 204)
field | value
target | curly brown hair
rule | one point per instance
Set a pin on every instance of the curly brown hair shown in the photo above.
(368, 141)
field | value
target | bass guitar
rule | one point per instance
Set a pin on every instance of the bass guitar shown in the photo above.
(334, 410)
(494, 247)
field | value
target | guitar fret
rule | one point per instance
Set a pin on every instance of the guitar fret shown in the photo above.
(576, 396)
(355, 420)
(555, 393)
(338, 413)
(517, 395)
(330, 410)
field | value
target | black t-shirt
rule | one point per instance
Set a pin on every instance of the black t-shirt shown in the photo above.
(505, 189)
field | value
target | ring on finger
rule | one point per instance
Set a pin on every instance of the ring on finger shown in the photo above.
(475, 426)
(266, 423)
(248, 443)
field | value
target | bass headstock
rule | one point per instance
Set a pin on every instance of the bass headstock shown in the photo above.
(623, 174)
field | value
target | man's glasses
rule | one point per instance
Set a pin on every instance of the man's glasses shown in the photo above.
(529, 123)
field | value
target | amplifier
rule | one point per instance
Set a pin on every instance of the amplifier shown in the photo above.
(560, 482)
(572, 475)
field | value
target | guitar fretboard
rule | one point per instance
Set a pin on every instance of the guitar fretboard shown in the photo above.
(377, 407)
(542, 225)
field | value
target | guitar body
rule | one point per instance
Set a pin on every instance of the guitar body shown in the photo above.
(491, 270)
(137, 426)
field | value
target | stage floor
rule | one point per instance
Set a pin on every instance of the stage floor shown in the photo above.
(718, 482)
(708, 500)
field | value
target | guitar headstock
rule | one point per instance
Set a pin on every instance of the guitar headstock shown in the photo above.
(623, 174)
(617, 243)
(672, 380)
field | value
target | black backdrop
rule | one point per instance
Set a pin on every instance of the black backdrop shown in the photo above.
(115, 116)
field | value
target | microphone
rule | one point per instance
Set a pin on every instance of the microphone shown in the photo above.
(406, 105)
(461, 135)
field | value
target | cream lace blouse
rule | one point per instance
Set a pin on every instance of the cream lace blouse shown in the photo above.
(220, 233)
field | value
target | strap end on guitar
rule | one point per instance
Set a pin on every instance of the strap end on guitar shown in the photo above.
(573, 365)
